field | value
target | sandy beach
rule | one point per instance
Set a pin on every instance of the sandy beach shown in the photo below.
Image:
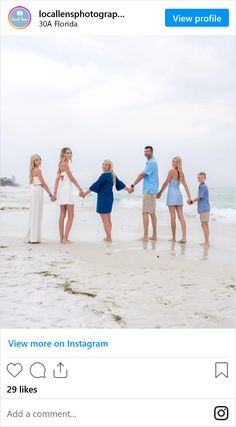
(128, 284)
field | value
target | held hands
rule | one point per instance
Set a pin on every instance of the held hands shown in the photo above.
(159, 195)
(130, 190)
(52, 198)
(189, 201)
(82, 194)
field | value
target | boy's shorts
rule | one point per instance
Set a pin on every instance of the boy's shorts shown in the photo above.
(149, 203)
(204, 216)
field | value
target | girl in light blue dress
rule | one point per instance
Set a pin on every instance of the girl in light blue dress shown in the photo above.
(174, 197)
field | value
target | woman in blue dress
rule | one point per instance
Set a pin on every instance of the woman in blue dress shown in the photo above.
(104, 189)
(174, 197)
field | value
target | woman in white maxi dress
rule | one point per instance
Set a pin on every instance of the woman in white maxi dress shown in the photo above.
(36, 200)
(63, 191)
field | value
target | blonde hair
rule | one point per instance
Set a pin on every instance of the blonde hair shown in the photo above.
(111, 170)
(32, 165)
(180, 168)
(62, 158)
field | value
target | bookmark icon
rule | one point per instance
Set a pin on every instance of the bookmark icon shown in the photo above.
(221, 368)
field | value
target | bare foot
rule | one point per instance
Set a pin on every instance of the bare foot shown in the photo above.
(107, 240)
(205, 245)
(143, 239)
(66, 241)
(172, 240)
(154, 238)
(182, 241)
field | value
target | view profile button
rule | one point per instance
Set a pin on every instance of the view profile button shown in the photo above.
(196, 17)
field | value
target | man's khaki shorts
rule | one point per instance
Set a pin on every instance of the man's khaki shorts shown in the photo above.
(204, 216)
(149, 203)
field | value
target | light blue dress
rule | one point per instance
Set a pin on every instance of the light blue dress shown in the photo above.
(174, 195)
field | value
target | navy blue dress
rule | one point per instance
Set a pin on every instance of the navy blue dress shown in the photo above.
(104, 189)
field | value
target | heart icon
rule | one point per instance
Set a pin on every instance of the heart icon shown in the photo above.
(14, 369)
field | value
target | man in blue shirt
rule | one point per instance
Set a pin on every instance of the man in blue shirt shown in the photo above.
(150, 190)
(203, 207)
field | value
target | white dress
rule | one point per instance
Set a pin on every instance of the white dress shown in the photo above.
(65, 190)
(35, 212)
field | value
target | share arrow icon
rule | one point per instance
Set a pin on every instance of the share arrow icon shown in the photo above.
(60, 371)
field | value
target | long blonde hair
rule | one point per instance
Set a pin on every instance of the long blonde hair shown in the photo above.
(32, 165)
(62, 158)
(180, 168)
(111, 170)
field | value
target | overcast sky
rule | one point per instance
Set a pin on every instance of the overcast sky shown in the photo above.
(107, 97)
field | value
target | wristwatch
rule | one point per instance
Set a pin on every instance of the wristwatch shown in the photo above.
(132, 185)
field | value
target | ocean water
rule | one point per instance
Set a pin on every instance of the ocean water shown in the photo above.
(222, 201)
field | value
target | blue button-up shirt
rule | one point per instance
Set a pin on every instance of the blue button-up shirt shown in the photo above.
(203, 202)
(150, 180)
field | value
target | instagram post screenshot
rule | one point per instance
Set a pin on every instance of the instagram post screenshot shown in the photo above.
(117, 213)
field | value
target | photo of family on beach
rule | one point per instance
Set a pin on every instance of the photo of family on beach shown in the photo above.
(120, 212)
(63, 192)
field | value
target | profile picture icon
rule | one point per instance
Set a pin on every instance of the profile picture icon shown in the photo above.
(19, 17)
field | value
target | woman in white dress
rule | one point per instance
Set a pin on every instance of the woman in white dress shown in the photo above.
(36, 199)
(63, 191)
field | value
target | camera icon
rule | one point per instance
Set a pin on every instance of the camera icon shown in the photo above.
(221, 413)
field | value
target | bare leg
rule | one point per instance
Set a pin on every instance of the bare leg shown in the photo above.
(172, 222)
(182, 222)
(61, 222)
(107, 226)
(154, 226)
(145, 227)
(70, 213)
(205, 229)
(208, 232)
(109, 219)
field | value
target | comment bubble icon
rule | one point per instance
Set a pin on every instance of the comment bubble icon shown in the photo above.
(38, 370)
